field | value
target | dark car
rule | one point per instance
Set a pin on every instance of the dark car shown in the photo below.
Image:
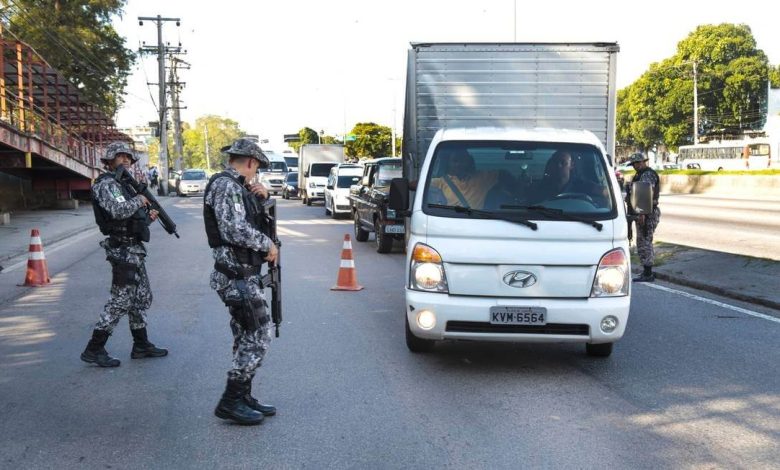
(369, 201)
(290, 186)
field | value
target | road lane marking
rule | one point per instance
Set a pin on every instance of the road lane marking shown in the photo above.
(56, 247)
(714, 302)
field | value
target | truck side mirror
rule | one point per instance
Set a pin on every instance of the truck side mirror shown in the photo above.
(642, 197)
(330, 186)
(399, 195)
(365, 181)
(306, 174)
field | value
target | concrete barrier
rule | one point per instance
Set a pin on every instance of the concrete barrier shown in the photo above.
(725, 185)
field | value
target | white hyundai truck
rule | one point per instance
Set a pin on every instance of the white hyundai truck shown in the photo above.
(516, 224)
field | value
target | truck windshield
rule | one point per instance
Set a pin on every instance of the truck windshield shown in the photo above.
(522, 178)
(321, 169)
(278, 167)
(291, 161)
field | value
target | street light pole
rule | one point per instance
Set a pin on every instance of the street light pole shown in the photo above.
(206, 139)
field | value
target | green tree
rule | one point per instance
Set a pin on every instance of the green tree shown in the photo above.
(221, 132)
(731, 74)
(774, 76)
(306, 135)
(371, 141)
(77, 38)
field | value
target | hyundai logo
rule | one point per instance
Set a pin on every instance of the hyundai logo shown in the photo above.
(519, 279)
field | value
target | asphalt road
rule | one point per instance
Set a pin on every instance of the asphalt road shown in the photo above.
(691, 385)
(741, 226)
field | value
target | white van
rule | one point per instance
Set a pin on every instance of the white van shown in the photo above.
(340, 179)
(515, 235)
(273, 177)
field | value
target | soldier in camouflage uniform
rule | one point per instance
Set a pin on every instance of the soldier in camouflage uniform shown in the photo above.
(124, 216)
(646, 223)
(239, 249)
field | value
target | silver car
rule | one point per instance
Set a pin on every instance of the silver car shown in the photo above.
(193, 182)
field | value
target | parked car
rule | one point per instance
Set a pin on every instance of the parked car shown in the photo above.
(342, 177)
(193, 182)
(290, 187)
(369, 201)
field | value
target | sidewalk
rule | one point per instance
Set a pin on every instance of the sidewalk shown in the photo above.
(54, 225)
(753, 280)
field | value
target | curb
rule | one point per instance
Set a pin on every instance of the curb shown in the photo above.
(715, 290)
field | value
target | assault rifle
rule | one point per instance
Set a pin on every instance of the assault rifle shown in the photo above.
(273, 279)
(142, 188)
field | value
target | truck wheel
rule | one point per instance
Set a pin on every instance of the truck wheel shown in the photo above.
(306, 199)
(361, 235)
(327, 209)
(415, 344)
(599, 350)
(384, 242)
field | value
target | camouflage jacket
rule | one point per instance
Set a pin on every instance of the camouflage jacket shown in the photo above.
(226, 199)
(108, 193)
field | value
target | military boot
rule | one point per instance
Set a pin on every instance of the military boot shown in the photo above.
(233, 407)
(96, 353)
(646, 276)
(143, 348)
(267, 410)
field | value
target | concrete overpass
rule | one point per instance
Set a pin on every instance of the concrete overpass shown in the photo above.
(50, 138)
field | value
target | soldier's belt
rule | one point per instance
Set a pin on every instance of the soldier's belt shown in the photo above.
(237, 272)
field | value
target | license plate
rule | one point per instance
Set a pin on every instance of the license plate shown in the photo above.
(518, 315)
(394, 229)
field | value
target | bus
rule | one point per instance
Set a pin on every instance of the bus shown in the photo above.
(753, 154)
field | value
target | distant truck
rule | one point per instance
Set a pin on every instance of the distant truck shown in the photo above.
(314, 164)
(517, 227)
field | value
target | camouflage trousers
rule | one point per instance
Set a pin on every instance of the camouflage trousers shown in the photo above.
(249, 348)
(644, 238)
(131, 294)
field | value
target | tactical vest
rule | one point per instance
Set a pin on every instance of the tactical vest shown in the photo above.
(656, 184)
(135, 226)
(245, 255)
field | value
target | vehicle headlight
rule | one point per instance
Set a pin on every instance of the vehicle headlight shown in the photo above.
(427, 270)
(312, 185)
(612, 275)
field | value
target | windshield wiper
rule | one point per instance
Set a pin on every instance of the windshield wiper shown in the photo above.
(485, 214)
(556, 213)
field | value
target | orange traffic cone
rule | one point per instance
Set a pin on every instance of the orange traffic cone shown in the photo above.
(37, 271)
(347, 275)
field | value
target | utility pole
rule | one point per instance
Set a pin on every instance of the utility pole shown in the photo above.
(176, 86)
(695, 106)
(161, 49)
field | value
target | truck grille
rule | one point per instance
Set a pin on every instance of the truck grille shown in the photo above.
(549, 329)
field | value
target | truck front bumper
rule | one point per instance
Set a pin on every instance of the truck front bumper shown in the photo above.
(468, 318)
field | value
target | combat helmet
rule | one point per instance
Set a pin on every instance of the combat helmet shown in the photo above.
(637, 157)
(247, 148)
(115, 148)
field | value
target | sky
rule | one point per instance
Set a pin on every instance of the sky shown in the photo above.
(277, 66)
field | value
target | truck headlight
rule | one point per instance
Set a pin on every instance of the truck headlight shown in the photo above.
(312, 185)
(612, 275)
(427, 270)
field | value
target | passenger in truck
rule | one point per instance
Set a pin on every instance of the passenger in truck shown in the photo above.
(461, 184)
